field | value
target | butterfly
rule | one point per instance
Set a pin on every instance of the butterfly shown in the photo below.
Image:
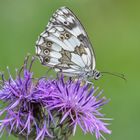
(65, 46)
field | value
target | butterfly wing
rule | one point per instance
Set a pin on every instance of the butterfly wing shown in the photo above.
(64, 45)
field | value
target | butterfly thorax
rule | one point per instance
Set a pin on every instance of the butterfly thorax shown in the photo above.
(93, 74)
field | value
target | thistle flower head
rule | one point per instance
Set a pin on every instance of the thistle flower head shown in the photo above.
(79, 105)
(49, 108)
(24, 113)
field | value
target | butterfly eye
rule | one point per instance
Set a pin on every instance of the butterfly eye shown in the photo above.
(97, 75)
(62, 37)
(65, 22)
(46, 51)
(67, 35)
(47, 59)
(49, 43)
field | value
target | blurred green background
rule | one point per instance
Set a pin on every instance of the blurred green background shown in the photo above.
(114, 29)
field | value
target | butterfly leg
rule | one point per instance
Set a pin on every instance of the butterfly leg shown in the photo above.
(85, 80)
(47, 72)
(88, 82)
(51, 76)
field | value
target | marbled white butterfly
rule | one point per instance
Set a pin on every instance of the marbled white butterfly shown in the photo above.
(64, 46)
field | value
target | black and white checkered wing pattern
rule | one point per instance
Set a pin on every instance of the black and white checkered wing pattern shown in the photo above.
(64, 45)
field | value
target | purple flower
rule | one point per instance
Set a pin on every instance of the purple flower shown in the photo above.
(24, 112)
(41, 108)
(79, 105)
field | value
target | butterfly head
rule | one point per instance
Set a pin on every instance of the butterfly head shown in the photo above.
(96, 74)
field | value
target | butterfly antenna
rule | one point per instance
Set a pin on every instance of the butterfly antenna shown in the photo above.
(122, 76)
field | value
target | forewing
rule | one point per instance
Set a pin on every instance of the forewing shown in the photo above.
(64, 44)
